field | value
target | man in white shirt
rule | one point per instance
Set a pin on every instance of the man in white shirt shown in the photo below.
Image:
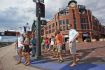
(73, 34)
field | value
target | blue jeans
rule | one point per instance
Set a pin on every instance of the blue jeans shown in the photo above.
(33, 50)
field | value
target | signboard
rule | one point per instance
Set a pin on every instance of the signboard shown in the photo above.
(43, 22)
(85, 35)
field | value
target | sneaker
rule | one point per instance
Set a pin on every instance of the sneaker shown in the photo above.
(27, 64)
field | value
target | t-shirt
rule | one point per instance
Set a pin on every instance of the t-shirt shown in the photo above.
(59, 39)
(20, 40)
(33, 41)
(72, 34)
(26, 41)
(52, 41)
(46, 41)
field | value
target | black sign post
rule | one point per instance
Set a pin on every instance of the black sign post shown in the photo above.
(40, 12)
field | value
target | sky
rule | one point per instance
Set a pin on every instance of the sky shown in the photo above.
(16, 13)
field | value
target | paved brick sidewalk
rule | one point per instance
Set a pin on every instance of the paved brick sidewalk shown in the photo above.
(87, 52)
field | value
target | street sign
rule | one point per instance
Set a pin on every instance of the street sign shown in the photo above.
(40, 9)
(40, 12)
(43, 22)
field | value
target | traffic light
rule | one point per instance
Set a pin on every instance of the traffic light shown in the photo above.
(40, 9)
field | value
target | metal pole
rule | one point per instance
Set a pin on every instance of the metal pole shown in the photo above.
(38, 37)
(38, 27)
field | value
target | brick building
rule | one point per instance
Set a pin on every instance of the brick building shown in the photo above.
(77, 17)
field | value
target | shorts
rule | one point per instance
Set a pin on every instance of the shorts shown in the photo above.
(54, 48)
(59, 48)
(19, 48)
(47, 46)
(72, 47)
(26, 48)
(63, 47)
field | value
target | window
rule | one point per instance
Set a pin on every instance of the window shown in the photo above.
(53, 25)
(49, 26)
(61, 22)
(46, 32)
(49, 31)
(83, 20)
(56, 23)
(45, 28)
(67, 21)
(83, 26)
(53, 30)
(63, 28)
(67, 24)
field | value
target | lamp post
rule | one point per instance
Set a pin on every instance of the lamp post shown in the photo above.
(40, 12)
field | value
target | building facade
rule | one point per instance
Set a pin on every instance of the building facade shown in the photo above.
(77, 17)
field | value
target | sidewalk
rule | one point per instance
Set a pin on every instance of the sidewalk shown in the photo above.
(7, 61)
(91, 54)
(92, 57)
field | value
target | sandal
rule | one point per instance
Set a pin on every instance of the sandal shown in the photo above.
(27, 64)
(73, 64)
(60, 61)
(18, 62)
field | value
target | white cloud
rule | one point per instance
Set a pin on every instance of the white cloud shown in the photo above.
(19, 12)
(16, 12)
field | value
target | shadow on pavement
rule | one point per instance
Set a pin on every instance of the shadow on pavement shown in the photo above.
(96, 60)
(86, 52)
(79, 67)
(42, 61)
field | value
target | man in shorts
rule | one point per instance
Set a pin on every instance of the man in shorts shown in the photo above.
(59, 42)
(73, 34)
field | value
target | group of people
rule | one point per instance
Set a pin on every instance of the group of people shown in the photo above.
(23, 47)
(54, 44)
(57, 44)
